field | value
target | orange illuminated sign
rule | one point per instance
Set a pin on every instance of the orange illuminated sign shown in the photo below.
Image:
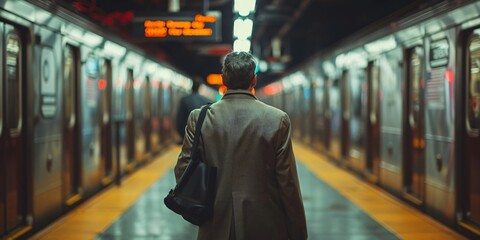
(180, 26)
(214, 79)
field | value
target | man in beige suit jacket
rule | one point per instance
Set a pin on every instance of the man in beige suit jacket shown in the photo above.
(258, 196)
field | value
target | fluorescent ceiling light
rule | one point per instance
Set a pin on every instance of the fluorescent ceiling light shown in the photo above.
(241, 45)
(242, 29)
(244, 7)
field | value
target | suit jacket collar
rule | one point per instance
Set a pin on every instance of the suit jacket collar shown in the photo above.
(239, 94)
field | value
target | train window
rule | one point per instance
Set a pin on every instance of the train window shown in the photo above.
(415, 75)
(473, 84)
(166, 100)
(346, 94)
(69, 83)
(104, 85)
(129, 95)
(13, 84)
(374, 75)
(147, 96)
(154, 101)
(48, 83)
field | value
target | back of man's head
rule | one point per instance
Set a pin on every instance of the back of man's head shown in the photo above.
(238, 70)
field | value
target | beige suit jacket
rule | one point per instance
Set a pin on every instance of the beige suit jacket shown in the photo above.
(258, 195)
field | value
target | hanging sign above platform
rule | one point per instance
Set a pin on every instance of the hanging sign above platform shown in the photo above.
(180, 26)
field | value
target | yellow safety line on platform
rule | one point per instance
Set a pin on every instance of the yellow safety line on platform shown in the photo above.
(96, 214)
(401, 219)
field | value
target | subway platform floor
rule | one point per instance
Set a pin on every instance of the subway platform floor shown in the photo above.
(338, 205)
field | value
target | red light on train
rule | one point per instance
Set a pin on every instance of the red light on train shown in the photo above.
(102, 84)
(273, 88)
(156, 84)
(137, 84)
(270, 90)
(449, 75)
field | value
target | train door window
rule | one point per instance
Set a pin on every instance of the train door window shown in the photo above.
(48, 83)
(154, 99)
(147, 96)
(13, 83)
(473, 86)
(415, 88)
(346, 94)
(317, 118)
(129, 94)
(374, 72)
(147, 111)
(104, 84)
(166, 99)
(69, 86)
(129, 117)
(345, 116)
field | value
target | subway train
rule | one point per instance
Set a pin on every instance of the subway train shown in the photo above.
(398, 104)
(79, 107)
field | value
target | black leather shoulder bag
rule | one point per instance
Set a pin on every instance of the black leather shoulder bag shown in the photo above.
(194, 194)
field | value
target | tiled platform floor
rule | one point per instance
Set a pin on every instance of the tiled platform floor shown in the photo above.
(338, 206)
(329, 215)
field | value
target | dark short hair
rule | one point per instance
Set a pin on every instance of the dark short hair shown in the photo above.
(238, 70)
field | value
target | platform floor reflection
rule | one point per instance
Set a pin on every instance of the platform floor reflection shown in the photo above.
(338, 205)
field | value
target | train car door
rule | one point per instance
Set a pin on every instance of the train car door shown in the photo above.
(129, 120)
(414, 157)
(373, 122)
(471, 133)
(13, 171)
(345, 116)
(71, 153)
(105, 87)
(147, 112)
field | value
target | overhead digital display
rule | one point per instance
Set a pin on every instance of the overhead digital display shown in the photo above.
(181, 26)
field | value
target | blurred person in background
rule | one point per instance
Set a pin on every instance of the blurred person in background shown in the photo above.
(188, 103)
(249, 142)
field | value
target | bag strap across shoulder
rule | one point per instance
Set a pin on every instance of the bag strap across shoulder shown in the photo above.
(198, 128)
